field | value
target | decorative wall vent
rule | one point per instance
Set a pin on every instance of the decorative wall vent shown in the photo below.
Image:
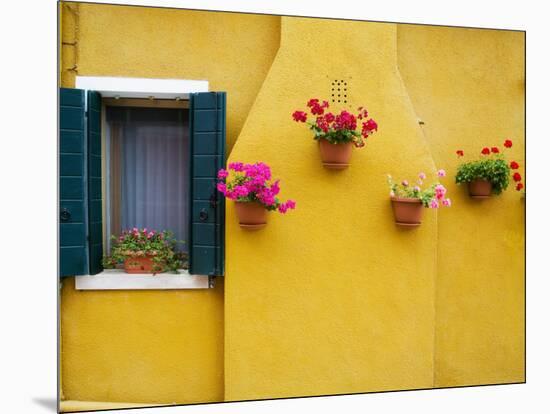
(339, 91)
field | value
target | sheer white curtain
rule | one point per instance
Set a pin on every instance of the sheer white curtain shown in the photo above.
(150, 162)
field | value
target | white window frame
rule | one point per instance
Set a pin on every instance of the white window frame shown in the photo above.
(122, 87)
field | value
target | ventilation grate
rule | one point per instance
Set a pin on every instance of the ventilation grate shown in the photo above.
(339, 91)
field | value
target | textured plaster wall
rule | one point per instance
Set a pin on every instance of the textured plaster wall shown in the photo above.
(142, 346)
(468, 87)
(331, 298)
(232, 51)
(156, 346)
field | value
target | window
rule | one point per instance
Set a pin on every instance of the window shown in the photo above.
(147, 170)
(180, 189)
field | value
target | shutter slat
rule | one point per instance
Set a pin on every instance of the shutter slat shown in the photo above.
(207, 207)
(72, 227)
(95, 219)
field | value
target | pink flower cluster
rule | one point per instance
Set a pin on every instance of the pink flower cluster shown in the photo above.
(440, 192)
(135, 232)
(250, 183)
(328, 123)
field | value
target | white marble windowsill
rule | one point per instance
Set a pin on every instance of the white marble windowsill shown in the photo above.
(114, 279)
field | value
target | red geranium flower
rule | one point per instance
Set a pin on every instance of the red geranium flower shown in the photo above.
(514, 165)
(517, 176)
(299, 116)
(460, 153)
(494, 150)
(519, 186)
(312, 102)
(508, 143)
(485, 151)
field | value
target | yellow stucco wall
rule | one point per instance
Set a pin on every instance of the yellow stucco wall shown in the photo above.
(142, 346)
(467, 85)
(232, 51)
(156, 346)
(331, 298)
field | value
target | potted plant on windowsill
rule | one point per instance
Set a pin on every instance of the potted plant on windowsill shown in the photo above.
(489, 174)
(408, 201)
(336, 133)
(253, 194)
(144, 251)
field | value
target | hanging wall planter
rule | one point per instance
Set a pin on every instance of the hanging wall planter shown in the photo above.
(251, 215)
(490, 174)
(480, 188)
(407, 211)
(144, 251)
(335, 156)
(408, 201)
(253, 194)
(336, 133)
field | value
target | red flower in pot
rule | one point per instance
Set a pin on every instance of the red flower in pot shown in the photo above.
(336, 132)
(490, 174)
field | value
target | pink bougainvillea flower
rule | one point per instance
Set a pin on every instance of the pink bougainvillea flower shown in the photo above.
(514, 165)
(250, 183)
(299, 116)
(516, 176)
(460, 153)
(494, 150)
(446, 202)
(485, 151)
(236, 166)
(275, 189)
(434, 203)
(289, 205)
(508, 143)
(222, 188)
(222, 174)
(441, 173)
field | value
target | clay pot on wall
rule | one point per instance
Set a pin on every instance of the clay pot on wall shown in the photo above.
(252, 216)
(480, 188)
(335, 156)
(407, 211)
(139, 264)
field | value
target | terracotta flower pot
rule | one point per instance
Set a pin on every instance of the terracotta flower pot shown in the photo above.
(407, 211)
(335, 156)
(252, 215)
(139, 264)
(480, 188)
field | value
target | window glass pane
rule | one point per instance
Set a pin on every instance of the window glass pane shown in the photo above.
(149, 169)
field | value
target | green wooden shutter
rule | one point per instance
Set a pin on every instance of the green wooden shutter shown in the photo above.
(95, 222)
(207, 206)
(72, 193)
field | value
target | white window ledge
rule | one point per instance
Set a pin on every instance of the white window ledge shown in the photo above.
(119, 280)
